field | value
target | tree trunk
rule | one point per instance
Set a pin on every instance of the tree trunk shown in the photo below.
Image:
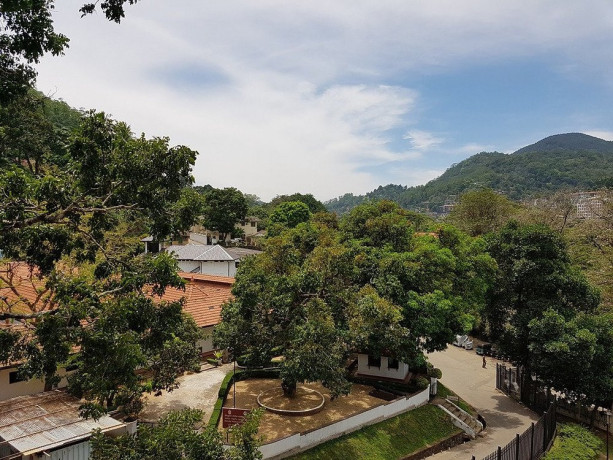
(289, 388)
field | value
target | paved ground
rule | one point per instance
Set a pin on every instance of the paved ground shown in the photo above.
(198, 391)
(462, 373)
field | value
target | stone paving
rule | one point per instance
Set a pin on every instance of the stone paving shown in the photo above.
(463, 373)
(196, 391)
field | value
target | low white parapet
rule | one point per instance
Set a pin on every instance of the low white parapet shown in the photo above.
(302, 441)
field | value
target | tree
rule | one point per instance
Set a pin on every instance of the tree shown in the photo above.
(534, 275)
(223, 209)
(313, 203)
(288, 215)
(177, 436)
(64, 211)
(482, 211)
(322, 291)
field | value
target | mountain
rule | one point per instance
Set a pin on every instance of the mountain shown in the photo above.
(563, 161)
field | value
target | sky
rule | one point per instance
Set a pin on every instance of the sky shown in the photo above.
(340, 96)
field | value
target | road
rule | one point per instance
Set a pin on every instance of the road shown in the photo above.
(463, 373)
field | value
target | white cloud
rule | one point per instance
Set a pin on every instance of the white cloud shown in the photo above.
(296, 96)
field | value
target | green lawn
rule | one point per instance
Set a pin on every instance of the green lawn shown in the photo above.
(392, 439)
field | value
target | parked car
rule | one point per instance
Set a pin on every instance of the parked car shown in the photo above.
(485, 349)
(459, 340)
(468, 344)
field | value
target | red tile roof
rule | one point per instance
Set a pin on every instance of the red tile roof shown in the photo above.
(204, 296)
(22, 290)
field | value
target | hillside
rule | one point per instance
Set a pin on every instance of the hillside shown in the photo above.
(562, 161)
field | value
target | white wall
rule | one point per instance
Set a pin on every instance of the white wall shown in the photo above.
(28, 387)
(188, 265)
(383, 371)
(207, 343)
(300, 442)
(223, 268)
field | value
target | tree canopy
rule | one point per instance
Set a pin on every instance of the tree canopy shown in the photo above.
(72, 207)
(534, 275)
(322, 291)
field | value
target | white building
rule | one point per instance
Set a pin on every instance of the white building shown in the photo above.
(382, 367)
(209, 259)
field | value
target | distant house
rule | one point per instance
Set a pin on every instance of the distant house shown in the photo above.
(209, 259)
(382, 367)
(47, 425)
(204, 298)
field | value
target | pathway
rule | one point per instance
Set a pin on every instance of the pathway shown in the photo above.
(462, 373)
(196, 391)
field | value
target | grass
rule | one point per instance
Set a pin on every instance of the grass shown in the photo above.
(575, 442)
(393, 438)
(442, 392)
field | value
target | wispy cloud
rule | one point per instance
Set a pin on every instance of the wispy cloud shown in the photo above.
(309, 96)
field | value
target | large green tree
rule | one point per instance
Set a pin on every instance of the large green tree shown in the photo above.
(223, 209)
(320, 293)
(65, 208)
(482, 211)
(534, 275)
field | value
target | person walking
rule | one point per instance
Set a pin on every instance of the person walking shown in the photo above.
(484, 363)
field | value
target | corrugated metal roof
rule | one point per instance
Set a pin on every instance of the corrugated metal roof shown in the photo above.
(239, 253)
(46, 421)
(188, 251)
(215, 253)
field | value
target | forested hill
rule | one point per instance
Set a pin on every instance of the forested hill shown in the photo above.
(562, 161)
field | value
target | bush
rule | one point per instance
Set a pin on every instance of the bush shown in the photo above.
(212, 361)
(216, 414)
(225, 384)
(576, 442)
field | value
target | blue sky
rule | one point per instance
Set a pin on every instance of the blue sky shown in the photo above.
(334, 97)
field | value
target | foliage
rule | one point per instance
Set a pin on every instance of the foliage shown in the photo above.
(73, 206)
(177, 436)
(427, 424)
(567, 161)
(576, 442)
(223, 208)
(312, 203)
(323, 290)
(534, 275)
(585, 342)
(481, 211)
(288, 214)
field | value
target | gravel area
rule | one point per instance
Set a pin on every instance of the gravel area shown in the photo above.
(274, 426)
(196, 391)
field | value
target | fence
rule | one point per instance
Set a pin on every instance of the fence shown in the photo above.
(532, 443)
(527, 389)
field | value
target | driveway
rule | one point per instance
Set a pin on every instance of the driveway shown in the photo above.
(463, 373)
(196, 391)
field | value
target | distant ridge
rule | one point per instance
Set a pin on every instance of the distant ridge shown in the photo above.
(562, 161)
(576, 142)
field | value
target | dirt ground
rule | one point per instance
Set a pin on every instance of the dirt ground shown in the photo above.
(275, 426)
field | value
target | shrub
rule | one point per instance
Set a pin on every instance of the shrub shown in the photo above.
(576, 442)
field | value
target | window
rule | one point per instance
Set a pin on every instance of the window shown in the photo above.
(253, 224)
(392, 363)
(374, 362)
(14, 377)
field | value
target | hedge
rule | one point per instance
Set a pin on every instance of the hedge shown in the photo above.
(227, 382)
